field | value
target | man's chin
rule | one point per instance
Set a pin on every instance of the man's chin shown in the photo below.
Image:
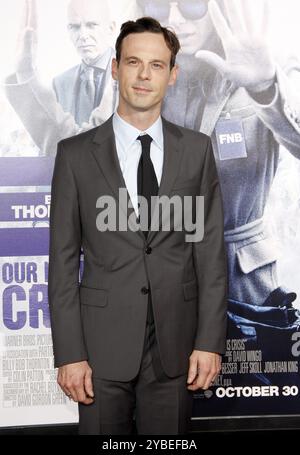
(142, 107)
(140, 103)
(88, 55)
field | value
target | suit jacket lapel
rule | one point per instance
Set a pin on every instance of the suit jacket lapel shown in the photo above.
(213, 107)
(105, 153)
(73, 89)
(173, 149)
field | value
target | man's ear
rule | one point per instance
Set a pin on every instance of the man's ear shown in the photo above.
(114, 69)
(173, 74)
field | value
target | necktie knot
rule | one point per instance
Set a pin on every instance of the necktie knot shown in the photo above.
(87, 73)
(145, 140)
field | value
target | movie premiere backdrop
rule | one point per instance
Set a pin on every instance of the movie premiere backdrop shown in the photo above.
(56, 82)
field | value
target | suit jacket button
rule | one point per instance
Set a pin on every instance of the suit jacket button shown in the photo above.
(144, 290)
(148, 250)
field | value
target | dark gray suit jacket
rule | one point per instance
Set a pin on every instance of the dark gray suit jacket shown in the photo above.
(102, 319)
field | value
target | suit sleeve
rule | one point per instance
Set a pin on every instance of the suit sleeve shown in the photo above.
(211, 264)
(64, 261)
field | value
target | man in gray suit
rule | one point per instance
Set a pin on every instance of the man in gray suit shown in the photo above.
(80, 96)
(147, 324)
(80, 89)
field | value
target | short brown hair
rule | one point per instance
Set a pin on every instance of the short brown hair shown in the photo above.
(148, 24)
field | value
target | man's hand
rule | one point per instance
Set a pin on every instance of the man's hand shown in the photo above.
(27, 42)
(244, 34)
(101, 113)
(203, 370)
(75, 379)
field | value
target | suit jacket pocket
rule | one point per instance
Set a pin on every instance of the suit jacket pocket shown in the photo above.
(257, 254)
(190, 290)
(93, 296)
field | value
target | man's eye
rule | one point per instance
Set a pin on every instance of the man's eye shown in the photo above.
(157, 65)
(132, 62)
(73, 26)
(92, 24)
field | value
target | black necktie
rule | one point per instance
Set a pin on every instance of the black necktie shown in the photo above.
(147, 185)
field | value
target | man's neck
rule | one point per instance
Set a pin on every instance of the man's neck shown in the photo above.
(140, 120)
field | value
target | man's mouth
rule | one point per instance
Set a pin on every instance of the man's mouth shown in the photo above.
(141, 89)
(86, 46)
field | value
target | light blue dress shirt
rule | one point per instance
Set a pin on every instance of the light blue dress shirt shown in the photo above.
(129, 151)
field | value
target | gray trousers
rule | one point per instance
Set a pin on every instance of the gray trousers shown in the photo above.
(160, 405)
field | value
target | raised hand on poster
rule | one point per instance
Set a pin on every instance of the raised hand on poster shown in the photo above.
(27, 42)
(244, 31)
(102, 112)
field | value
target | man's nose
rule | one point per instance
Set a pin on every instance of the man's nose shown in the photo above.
(175, 16)
(83, 32)
(144, 72)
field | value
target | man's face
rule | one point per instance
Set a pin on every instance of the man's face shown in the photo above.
(189, 19)
(143, 72)
(89, 28)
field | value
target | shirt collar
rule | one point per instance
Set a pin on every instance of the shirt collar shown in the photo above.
(127, 133)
